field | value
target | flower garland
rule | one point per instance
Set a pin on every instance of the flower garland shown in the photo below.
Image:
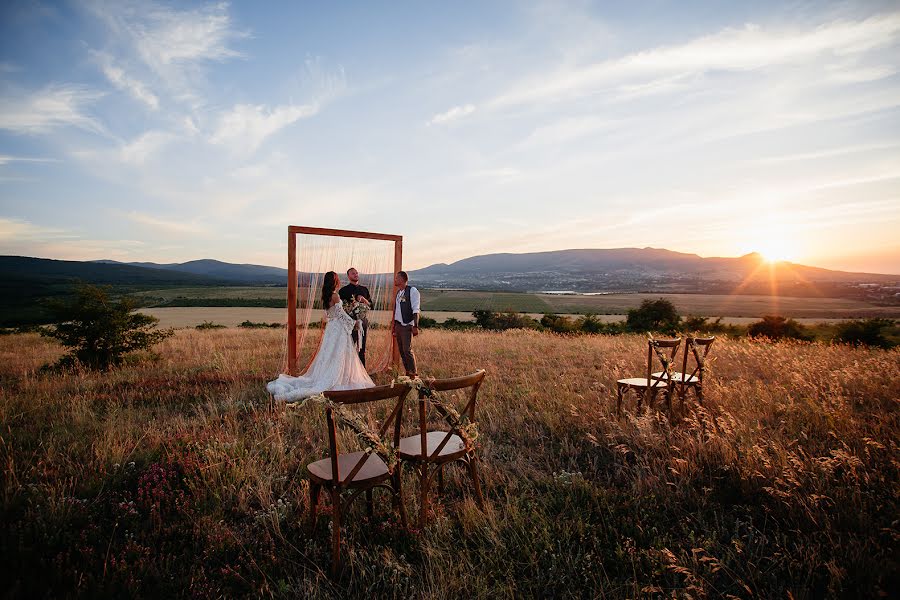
(350, 420)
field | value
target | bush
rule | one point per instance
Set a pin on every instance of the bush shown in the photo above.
(654, 315)
(99, 331)
(702, 325)
(487, 319)
(210, 325)
(457, 325)
(252, 325)
(864, 332)
(426, 322)
(557, 323)
(776, 328)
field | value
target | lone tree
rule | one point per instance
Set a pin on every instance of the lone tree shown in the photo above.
(654, 315)
(99, 331)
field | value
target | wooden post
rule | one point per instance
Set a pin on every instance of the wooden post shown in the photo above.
(398, 266)
(292, 303)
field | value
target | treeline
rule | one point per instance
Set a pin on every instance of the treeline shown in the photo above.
(661, 317)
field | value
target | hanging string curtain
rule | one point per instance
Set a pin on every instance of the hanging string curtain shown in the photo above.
(374, 259)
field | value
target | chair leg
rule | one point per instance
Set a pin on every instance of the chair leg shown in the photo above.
(423, 494)
(440, 477)
(370, 504)
(618, 400)
(398, 497)
(314, 489)
(472, 464)
(335, 532)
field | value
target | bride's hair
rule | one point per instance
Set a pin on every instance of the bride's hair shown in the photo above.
(328, 286)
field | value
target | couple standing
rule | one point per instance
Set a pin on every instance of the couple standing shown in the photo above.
(338, 365)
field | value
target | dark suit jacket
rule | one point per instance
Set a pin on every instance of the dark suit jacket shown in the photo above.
(350, 291)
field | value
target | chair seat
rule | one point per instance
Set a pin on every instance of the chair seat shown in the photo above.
(642, 382)
(677, 377)
(411, 447)
(373, 468)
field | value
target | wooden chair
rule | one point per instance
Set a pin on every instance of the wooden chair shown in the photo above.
(693, 380)
(429, 450)
(647, 387)
(357, 472)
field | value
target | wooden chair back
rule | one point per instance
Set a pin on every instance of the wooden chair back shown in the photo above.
(472, 381)
(664, 351)
(698, 347)
(397, 393)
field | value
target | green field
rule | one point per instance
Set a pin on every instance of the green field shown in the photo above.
(710, 305)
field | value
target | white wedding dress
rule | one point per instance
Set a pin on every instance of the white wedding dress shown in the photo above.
(335, 367)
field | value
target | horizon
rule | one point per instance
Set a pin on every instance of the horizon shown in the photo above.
(154, 132)
(762, 258)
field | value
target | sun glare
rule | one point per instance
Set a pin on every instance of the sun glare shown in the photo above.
(776, 250)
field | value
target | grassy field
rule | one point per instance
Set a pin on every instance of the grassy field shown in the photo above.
(739, 306)
(173, 476)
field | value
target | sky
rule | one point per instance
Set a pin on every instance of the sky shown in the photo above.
(168, 132)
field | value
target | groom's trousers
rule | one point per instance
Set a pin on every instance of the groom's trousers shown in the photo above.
(404, 345)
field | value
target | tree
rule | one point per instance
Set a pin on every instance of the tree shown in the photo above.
(654, 315)
(776, 328)
(866, 332)
(99, 331)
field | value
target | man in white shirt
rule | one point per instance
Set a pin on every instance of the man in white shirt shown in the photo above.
(406, 321)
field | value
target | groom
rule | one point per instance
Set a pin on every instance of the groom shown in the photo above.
(359, 293)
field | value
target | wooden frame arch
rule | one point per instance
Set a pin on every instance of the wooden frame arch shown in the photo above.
(293, 230)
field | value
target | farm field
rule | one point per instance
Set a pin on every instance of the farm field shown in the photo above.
(175, 476)
(232, 316)
(741, 306)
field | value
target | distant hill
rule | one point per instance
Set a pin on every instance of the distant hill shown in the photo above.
(634, 269)
(26, 282)
(240, 274)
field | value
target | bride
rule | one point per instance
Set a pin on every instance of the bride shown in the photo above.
(336, 365)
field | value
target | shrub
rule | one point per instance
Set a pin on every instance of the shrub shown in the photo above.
(654, 315)
(487, 319)
(457, 325)
(776, 328)
(557, 323)
(426, 322)
(253, 325)
(864, 332)
(99, 331)
(210, 325)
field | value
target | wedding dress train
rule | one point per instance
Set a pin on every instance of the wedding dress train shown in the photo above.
(335, 367)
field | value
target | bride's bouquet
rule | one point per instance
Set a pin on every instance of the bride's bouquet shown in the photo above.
(356, 310)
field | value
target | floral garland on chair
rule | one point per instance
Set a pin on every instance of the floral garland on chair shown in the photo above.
(348, 419)
(467, 428)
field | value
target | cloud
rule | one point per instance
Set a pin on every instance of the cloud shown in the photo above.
(21, 230)
(733, 49)
(55, 106)
(172, 43)
(5, 159)
(246, 126)
(169, 226)
(120, 79)
(457, 112)
(145, 145)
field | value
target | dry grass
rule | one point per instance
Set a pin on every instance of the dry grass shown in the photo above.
(175, 476)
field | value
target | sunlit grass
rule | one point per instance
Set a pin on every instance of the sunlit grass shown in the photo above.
(174, 475)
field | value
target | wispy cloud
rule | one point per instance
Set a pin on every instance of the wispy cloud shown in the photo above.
(246, 126)
(455, 113)
(120, 79)
(22, 230)
(174, 44)
(144, 146)
(732, 49)
(5, 159)
(167, 225)
(55, 106)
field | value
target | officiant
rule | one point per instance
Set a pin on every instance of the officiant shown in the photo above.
(358, 293)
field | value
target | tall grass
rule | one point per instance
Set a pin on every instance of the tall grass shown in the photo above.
(175, 475)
